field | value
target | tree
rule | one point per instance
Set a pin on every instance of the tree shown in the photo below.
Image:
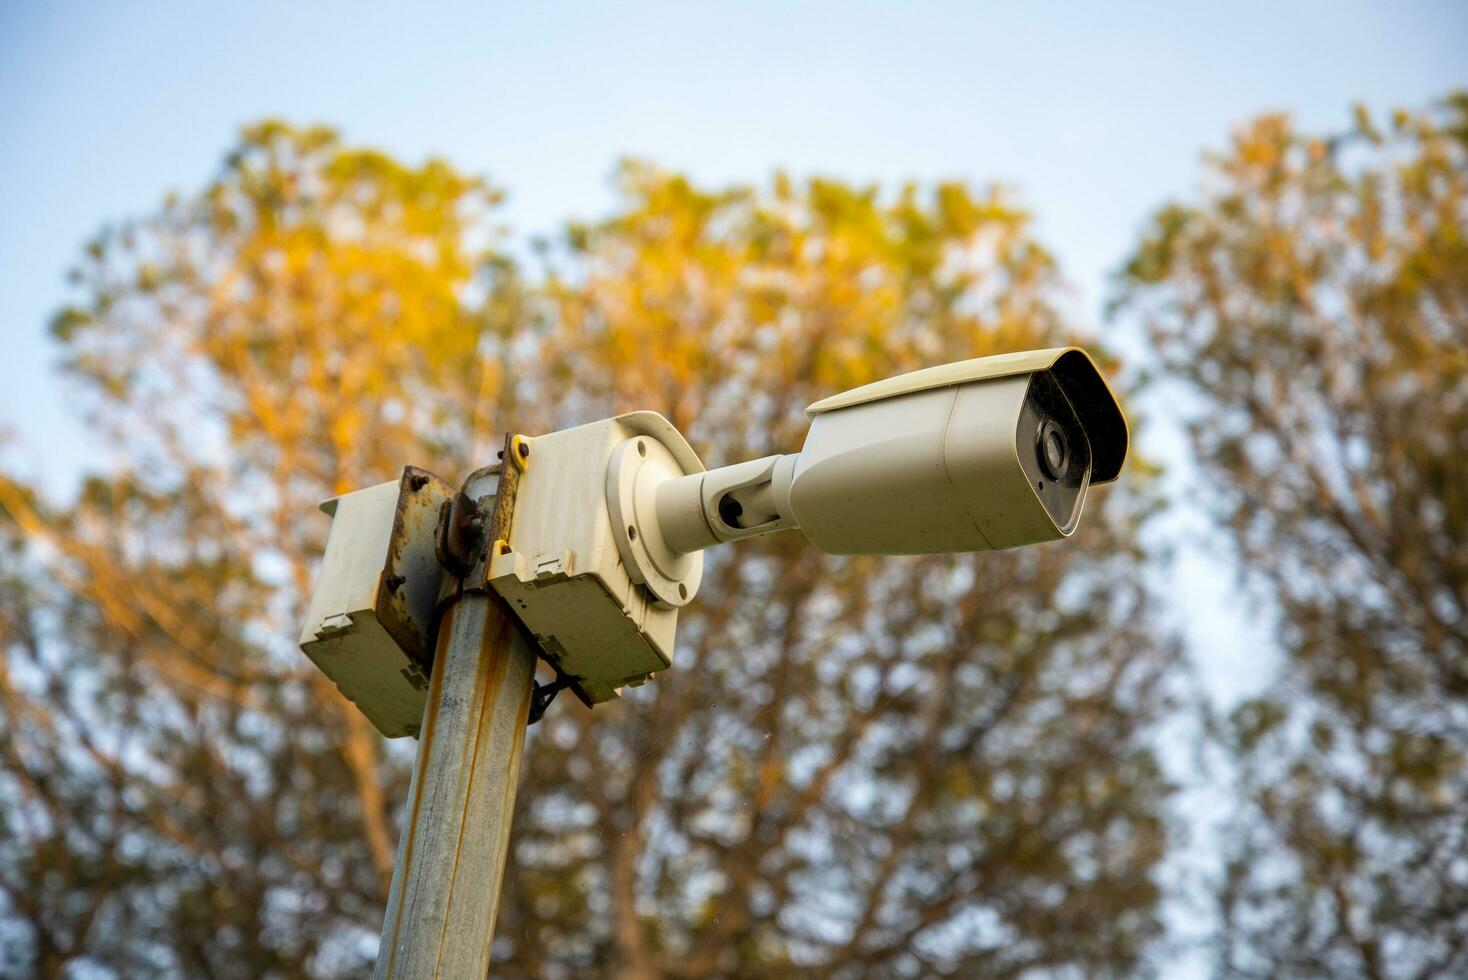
(1315, 304)
(854, 767)
(181, 795)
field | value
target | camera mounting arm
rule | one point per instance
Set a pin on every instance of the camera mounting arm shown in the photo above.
(744, 500)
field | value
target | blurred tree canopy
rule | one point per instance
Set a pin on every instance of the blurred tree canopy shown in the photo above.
(1315, 302)
(855, 767)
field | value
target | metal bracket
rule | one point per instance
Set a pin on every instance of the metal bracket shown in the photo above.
(457, 534)
(543, 695)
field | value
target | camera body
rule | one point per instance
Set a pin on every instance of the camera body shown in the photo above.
(978, 455)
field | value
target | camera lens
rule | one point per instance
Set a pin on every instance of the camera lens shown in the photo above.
(1054, 452)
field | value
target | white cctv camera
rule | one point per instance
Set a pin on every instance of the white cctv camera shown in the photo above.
(990, 453)
(610, 519)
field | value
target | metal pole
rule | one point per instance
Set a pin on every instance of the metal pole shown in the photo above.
(446, 881)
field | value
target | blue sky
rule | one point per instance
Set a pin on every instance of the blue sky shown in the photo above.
(1095, 112)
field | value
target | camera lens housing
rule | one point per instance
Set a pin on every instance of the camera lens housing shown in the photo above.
(1053, 450)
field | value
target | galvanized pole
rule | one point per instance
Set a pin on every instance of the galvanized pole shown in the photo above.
(446, 881)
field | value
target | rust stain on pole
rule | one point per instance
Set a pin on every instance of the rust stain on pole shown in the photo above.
(445, 891)
(446, 883)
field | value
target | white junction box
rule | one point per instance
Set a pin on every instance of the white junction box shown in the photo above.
(370, 623)
(603, 612)
(585, 569)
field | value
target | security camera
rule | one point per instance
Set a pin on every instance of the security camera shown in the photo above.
(976, 455)
(610, 519)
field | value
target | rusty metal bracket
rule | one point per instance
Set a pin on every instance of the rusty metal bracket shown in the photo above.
(408, 583)
(517, 454)
(461, 524)
(469, 531)
(467, 539)
(458, 533)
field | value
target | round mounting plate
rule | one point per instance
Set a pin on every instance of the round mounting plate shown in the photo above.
(638, 465)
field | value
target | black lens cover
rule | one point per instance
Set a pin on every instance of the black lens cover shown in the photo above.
(1053, 449)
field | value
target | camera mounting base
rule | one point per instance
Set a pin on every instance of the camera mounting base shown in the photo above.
(637, 468)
